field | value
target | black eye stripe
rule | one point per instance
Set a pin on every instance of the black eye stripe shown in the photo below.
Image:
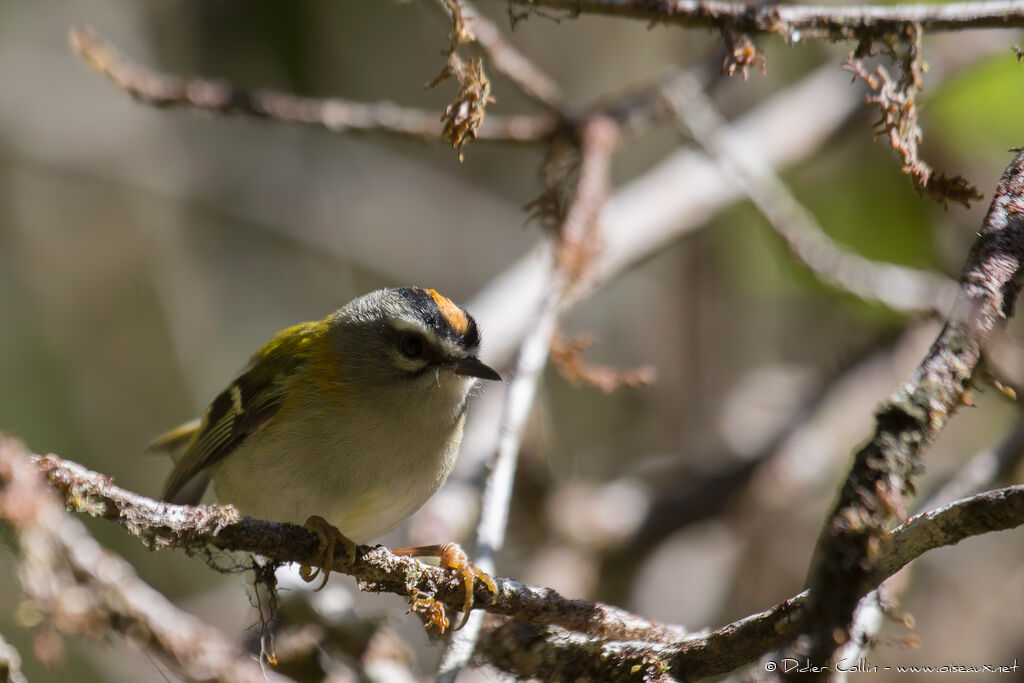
(426, 308)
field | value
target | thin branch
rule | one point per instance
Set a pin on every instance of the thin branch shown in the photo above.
(981, 472)
(556, 655)
(799, 22)
(466, 113)
(996, 510)
(572, 252)
(85, 589)
(672, 199)
(568, 358)
(898, 287)
(882, 477)
(677, 196)
(163, 525)
(508, 61)
(896, 99)
(218, 96)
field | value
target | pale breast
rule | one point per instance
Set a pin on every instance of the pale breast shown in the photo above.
(364, 474)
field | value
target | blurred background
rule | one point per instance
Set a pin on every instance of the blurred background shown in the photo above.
(144, 254)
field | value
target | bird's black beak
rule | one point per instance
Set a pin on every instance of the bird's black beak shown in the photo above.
(472, 367)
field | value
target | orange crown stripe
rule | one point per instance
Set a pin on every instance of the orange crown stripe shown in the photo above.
(455, 316)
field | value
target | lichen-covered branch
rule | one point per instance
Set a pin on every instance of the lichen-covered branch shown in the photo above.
(596, 628)
(337, 115)
(799, 22)
(555, 654)
(918, 534)
(163, 525)
(896, 100)
(875, 493)
(981, 513)
(83, 589)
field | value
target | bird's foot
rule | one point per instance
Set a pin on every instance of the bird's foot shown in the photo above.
(455, 558)
(432, 610)
(328, 539)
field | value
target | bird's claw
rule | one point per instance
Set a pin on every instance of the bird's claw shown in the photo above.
(328, 539)
(455, 558)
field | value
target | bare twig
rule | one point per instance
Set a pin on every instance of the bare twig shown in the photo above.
(84, 589)
(874, 495)
(490, 534)
(891, 27)
(464, 116)
(981, 513)
(800, 22)
(337, 115)
(673, 199)
(896, 99)
(897, 287)
(567, 356)
(598, 141)
(678, 195)
(508, 61)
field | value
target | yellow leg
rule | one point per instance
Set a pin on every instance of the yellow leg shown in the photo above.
(454, 557)
(328, 539)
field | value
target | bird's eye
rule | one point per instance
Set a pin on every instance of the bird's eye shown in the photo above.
(411, 345)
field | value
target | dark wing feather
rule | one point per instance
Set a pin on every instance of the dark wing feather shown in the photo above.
(238, 411)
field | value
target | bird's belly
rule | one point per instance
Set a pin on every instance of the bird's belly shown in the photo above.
(364, 481)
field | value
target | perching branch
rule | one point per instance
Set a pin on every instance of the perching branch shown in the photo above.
(875, 493)
(82, 589)
(334, 114)
(163, 525)
(801, 22)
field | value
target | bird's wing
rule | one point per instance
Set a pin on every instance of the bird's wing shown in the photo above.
(237, 412)
(174, 442)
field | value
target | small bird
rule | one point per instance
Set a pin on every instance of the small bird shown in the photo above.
(348, 424)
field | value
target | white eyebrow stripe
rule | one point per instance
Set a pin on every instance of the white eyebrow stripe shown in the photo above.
(406, 325)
